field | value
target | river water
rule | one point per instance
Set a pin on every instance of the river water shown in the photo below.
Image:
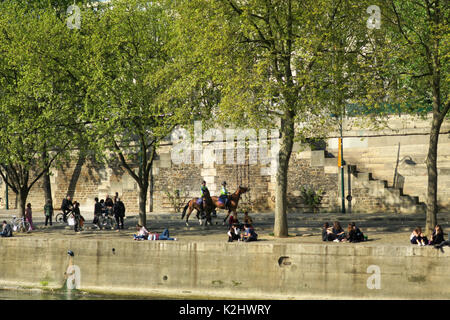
(64, 295)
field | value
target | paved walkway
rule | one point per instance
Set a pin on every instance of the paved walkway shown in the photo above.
(303, 228)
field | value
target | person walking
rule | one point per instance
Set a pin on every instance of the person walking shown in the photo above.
(29, 217)
(97, 213)
(48, 211)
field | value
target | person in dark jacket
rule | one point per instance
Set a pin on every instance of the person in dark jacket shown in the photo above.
(438, 235)
(354, 234)
(327, 235)
(66, 207)
(97, 212)
(119, 212)
(7, 230)
(79, 220)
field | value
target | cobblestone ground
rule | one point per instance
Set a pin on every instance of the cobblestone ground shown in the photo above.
(382, 228)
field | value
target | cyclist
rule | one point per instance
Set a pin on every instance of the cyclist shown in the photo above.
(66, 207)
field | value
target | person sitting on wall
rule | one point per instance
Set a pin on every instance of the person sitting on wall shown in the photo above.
(233, 233)
(6, 230)
(417, 237)
(338, 232)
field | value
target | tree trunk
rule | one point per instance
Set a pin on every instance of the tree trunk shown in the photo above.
(23, 195)
(142, 204)
(46, 179)
(151, 188)
(287, 141)
(432, 205)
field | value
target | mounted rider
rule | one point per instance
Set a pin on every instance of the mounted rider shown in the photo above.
(224, 194)
(202, 200)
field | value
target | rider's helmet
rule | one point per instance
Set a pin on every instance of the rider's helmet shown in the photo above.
(224, 183)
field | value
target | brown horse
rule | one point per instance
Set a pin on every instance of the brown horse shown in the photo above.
(233, 202)
(193, 205)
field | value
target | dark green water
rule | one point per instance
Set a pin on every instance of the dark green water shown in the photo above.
(66, 295)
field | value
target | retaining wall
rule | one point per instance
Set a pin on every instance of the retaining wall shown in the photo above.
(234, 270)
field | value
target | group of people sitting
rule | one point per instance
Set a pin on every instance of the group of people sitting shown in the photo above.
(241, 232)
(336, 233)
(144, 234)
(419, 238)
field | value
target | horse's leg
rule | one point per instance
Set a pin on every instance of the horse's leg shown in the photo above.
(224, 220)
(187, 216)
(200, 217)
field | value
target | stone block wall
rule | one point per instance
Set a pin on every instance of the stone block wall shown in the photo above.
(375, 154)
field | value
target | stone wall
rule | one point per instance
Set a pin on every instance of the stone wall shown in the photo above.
(398, 151)
(206, 269)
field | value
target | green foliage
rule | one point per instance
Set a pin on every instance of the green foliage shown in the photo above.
(177, 199)
(311, 197)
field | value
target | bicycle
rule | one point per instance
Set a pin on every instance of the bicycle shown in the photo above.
(20, 224)
(60, 217)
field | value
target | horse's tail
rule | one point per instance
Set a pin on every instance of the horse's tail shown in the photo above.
(184, 210)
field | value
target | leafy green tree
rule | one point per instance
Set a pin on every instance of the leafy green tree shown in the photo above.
(267, 58)
(132, 112)
(411, 52)
(37, 95)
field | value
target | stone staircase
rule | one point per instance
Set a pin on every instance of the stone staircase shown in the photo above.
(368, 194)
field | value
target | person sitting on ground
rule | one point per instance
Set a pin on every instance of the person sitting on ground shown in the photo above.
(142, 234)
(6, 230)
(162, 236)
(443, 243)
(326, 232)
(249, 234)
(247, 219)
(233, 233)
(438, 235)
(354, 234)
(417, 237)
(338, 232)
